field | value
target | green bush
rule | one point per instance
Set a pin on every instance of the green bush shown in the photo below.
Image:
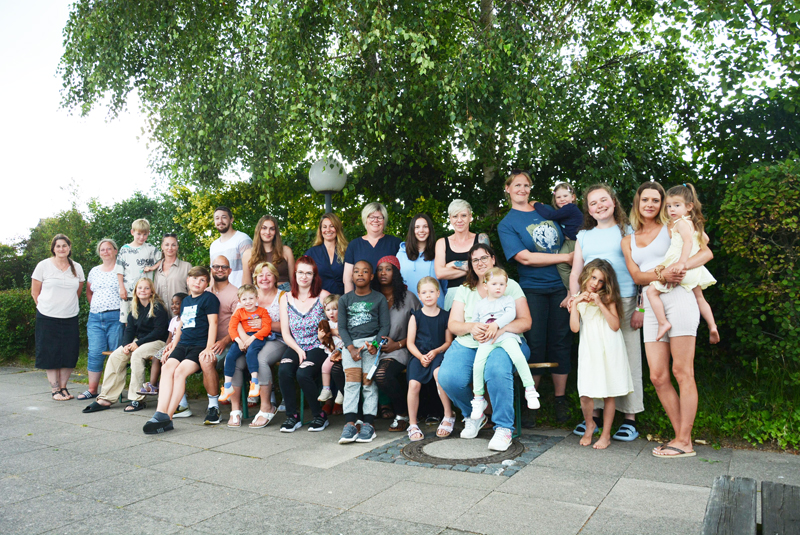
(17, 320)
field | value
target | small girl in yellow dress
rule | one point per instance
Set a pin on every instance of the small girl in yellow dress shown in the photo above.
(686, 229)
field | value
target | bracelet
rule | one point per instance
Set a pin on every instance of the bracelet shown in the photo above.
(640, 310)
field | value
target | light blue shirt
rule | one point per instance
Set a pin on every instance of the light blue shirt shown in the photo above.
(605, 244)
(413, 271)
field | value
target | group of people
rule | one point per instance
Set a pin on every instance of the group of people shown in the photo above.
(347, 319)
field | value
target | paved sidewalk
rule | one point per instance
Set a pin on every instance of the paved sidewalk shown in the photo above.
(62, 471)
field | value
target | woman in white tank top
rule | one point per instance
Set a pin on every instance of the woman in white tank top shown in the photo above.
(644, 251)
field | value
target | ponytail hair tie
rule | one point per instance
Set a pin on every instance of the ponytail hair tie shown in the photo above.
(684, 185)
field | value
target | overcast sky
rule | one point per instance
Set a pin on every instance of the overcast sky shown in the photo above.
(42, 146)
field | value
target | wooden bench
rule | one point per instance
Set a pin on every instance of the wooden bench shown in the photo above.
(731, 508)
(519, 395)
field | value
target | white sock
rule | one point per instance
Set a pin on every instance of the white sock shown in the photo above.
(184, 402)
(213, 401)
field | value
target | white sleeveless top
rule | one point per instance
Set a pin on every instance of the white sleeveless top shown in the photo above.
(649, 257)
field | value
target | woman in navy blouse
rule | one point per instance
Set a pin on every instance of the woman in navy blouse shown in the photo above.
(371, 247)
(328, 253)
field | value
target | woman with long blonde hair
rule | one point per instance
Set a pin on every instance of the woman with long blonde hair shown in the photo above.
(328, 253)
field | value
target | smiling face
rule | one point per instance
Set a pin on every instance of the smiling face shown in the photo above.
(175, 306)
(601, 205)
(519, 189)
(596, 281)
(482, 262)
(428, 294)
(677, 207)
(563, 197)
(461, 221)
(144, 291)
(375, 223)
(249, 301)
(139, 236)
(169, 246)
(421, 230)
(222, 221)
(266, 280)
(107, 251)
(267, 231)
(385, 273)
(362, 275)
(304, 274)
(649, 204)
(332, 312)
(61, 249)
(328, 230)
(496, 286)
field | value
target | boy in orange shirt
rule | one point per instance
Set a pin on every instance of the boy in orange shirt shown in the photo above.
(250, 342)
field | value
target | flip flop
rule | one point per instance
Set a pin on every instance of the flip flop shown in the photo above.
(680, 453)
(95, 407)
(87, 395)
(235, 419)
(626, 433)
(268, 415)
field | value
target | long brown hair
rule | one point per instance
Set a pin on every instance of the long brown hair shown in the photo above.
(69, 256)
(689, 195)
(619, 214)
(610, 291)
(411, 240)
(259, 255)
(636, 216)
(341, 241)
(472, 281)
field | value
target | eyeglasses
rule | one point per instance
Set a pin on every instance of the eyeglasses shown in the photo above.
(375, 218)
(218, 267)
(170, 235)
(482, 260)
(304, 273)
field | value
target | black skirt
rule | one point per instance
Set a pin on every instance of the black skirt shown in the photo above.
(57, 342)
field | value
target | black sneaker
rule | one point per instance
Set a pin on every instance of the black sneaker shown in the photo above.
(529, 420)
(319, 423)
(562, 410)
(212, 416)
(291, 424)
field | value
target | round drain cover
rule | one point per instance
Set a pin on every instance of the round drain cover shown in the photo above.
(435, 451)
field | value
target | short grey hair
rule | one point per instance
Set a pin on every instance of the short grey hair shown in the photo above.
(458, 206)
(370, 209)
(105, 240)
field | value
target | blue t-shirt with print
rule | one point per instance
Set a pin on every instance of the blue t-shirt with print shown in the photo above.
(528, 231)
(194, 319)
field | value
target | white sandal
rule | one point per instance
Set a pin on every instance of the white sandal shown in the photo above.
(238, 419)
(268, 415)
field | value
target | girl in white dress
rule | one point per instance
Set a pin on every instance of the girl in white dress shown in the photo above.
(686, 229)
(603, 370)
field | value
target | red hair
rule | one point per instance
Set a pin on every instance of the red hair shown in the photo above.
(316, 280)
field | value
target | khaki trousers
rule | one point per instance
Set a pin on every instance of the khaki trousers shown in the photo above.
(114, 376)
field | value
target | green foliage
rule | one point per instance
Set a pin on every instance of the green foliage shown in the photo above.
(74, 225)
(17, 320)
(15, 268)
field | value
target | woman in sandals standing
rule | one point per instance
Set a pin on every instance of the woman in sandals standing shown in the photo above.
(56, 284)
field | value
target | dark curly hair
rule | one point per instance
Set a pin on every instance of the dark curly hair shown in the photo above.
(399, 287)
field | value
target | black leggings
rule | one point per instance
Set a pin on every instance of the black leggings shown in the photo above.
(306, 375)
(387, 377)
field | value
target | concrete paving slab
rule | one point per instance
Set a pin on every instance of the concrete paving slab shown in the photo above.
(267, 515)
(192, 503)
(52, 433)
(15, 489)
(323, 450)
(451, 478)
(198, 435)
(571, 486)
(683, 504)
(48, 512)
(340, 489)
(105, 441)
(568, 454)
(699, 471)
(500, 514)
(149, 453)
(22, 462)
(85, 469)
(130, 487)
(118, 521)
(614, 522)
(363, 524)
(201, 464)
(766, 466)
(408, 499)
(257, 444)
(13, 446)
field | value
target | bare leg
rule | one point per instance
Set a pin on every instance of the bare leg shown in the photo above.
(587, 406)
(94, 381)
(182, 372)
(167, 383)
(55, 386)
(609, 408)
(155, 371)
(708, 315)
(654, 296)
(446, 403)
(412, 400)
(210, 377)
(683, 348)
(658, 360)
(236, 401)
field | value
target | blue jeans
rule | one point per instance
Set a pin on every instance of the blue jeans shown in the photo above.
(252, 357)
(455, 376)
(104, 332)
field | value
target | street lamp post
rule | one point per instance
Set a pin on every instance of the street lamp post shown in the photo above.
(327, 176)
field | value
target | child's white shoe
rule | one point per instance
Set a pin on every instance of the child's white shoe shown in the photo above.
(478, 406)
(227, 394)
(325, 395)
(532, 397)
(339, 398)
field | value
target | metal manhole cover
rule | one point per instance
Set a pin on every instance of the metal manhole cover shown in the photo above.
(438, 454)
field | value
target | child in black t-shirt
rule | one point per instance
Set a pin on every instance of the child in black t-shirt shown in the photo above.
(194, 339)
(566, 213)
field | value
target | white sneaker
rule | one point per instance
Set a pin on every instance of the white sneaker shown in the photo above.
(325, 395)
(473, 427)
(182, 412)
(532, 397)
(282, 408)
(501, 439)
(339, 398)
(478, 406)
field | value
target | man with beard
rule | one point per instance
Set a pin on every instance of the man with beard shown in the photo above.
(231, 243)
(227, 294)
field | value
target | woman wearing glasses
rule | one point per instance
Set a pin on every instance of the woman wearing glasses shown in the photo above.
(455, 373)
(534, 242)
(371, 247)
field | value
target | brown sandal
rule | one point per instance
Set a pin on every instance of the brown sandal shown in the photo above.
(59, 393)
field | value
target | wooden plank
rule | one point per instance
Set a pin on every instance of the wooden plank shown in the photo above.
(731, 508)
(780, 509)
